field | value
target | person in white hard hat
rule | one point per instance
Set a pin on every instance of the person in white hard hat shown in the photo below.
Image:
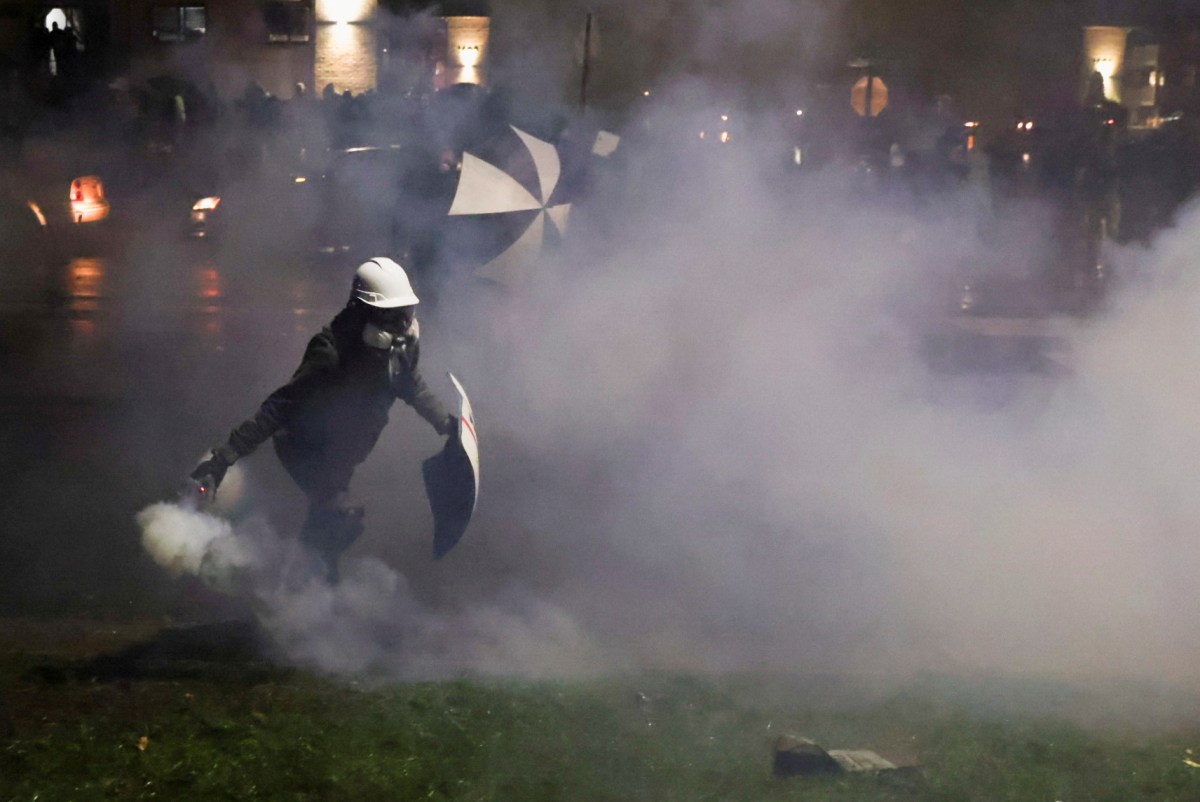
(327, 418)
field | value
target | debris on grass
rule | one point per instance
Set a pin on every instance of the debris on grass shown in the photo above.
(855, 760)
(795, 755)
(798, 756)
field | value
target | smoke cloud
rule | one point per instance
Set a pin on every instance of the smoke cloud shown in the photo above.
(179, 539)
(747, 450)
(370, 624)
(714, 438)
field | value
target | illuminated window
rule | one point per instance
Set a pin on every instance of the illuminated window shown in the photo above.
(178, 23)
(288, 21)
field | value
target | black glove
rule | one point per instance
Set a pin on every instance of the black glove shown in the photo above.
(211, 471)
(449, 426)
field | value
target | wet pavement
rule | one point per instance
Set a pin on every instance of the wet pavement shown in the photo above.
(113, 371)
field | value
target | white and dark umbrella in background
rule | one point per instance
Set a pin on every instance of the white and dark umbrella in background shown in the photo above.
(517, 204)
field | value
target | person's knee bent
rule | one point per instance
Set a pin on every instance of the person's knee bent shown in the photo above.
(333, 524)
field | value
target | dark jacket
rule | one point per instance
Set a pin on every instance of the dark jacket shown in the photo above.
(328, 417)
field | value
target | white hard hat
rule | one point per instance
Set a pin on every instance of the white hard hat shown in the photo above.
(383, 283)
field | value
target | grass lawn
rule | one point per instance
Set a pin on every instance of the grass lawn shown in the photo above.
(232, 726)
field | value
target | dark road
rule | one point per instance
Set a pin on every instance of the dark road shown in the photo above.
(110, 370)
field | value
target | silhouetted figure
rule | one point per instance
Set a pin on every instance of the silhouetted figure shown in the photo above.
(60, 42)
(1094, 93)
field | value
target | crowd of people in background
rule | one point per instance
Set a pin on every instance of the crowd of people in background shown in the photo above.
(167, 122)
(1107, 182)
(1101, 182)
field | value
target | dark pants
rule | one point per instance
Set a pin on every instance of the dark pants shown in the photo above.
(333, 522)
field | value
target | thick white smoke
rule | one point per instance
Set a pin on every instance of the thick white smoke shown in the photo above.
(370, 624)
(718, 443)
(746, 444)
(712, 438)
(178, 538)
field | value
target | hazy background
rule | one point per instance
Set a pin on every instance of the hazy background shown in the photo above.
(714, 441)
(711, 439)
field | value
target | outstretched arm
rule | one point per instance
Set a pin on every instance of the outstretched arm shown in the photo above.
(275, 412)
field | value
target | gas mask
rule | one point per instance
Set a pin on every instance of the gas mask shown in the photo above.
(401, 348)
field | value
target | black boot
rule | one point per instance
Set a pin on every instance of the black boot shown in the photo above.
(328, 532)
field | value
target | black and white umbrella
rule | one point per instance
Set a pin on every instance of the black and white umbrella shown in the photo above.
(515, 202)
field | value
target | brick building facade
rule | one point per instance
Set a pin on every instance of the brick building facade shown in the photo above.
(225, 44)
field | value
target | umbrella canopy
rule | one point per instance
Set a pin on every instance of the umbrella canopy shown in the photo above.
(523, 205)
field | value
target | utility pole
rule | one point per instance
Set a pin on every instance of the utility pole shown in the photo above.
(869, 96)
(587, 61)
(870, 88)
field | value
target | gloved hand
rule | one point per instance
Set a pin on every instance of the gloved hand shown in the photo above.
(211, 471)
(449, 426)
